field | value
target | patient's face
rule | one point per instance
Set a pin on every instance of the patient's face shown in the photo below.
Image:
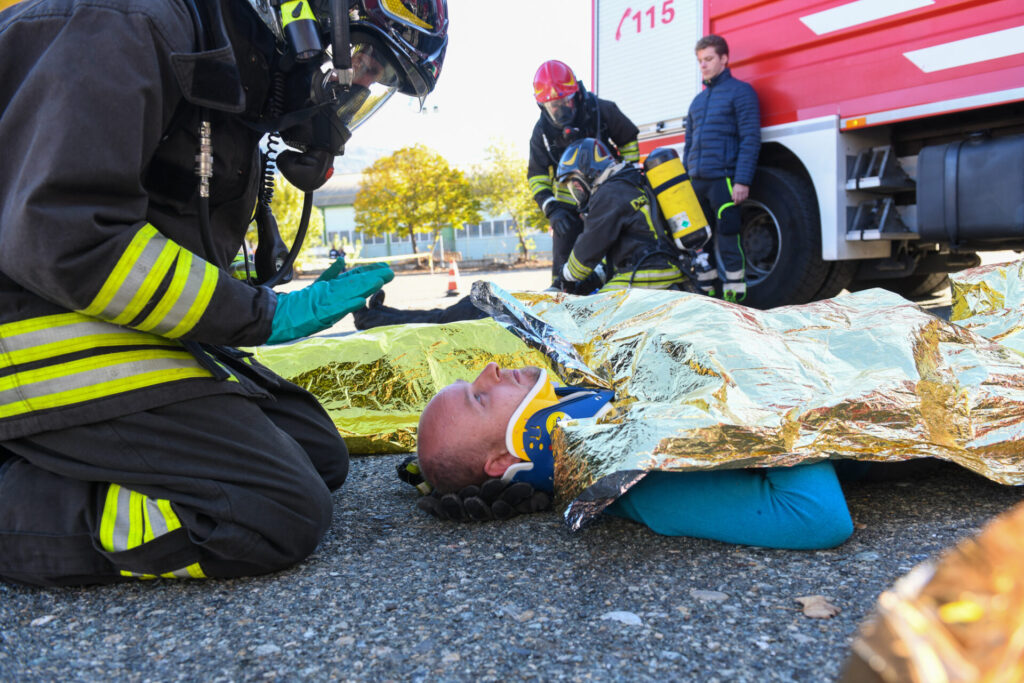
(482, 408)
(466, 421)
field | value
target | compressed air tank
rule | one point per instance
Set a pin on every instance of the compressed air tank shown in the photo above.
(676, 198)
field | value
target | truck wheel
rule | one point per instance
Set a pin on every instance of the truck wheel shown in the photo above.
(840, 275)
(781, 238)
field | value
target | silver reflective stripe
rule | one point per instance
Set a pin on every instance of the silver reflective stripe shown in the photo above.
(179, 299)
(134, 278)
(123, 520)
(70, 332)
(132, 284)
(155, 518)
(182, 573)
(85, 378)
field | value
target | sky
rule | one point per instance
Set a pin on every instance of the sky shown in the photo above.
(485, 92)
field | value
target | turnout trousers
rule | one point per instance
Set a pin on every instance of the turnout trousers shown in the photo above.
(219, 486)
(715, 196)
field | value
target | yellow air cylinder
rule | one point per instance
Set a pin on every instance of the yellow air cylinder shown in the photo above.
(676, 198)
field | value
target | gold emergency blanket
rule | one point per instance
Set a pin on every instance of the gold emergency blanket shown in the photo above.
(375, 384)
(702, 384)
(989, 300)
(958, 619)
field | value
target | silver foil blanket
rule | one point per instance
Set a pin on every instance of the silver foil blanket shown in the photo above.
(702, 384)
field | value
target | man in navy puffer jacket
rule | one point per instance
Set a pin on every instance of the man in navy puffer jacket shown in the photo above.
(723, 138)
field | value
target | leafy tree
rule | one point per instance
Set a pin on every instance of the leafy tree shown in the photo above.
(413, 190)
(501, 187)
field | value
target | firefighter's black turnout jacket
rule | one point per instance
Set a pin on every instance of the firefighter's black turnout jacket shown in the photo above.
(103, 274)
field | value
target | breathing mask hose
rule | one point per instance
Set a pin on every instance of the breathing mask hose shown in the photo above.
(300, 237)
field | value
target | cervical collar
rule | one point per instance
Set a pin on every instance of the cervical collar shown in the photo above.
(528, 435)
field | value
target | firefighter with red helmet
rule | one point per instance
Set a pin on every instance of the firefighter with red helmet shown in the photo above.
(136, 439)
(569, 113)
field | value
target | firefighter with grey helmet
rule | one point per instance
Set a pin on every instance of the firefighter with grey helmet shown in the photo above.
(620, 232)
(569, 113)
(137, 438)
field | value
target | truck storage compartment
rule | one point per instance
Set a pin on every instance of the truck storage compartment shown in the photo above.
(971, 190)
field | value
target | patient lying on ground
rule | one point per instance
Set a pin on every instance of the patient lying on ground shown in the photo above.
(500, 424)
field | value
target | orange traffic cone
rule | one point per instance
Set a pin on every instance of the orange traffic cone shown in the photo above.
(453, 279)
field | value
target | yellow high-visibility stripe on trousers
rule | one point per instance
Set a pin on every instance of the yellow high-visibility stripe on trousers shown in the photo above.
(131, 519)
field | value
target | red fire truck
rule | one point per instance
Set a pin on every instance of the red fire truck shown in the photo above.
(892, 130)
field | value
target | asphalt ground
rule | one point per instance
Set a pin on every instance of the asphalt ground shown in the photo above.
(392, 594)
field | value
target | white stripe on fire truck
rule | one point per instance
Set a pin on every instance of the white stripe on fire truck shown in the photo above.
(971, 50)
(859, 12)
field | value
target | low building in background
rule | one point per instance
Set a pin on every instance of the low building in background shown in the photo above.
(494, 240)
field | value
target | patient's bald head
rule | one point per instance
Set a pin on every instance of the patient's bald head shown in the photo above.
(461, 435)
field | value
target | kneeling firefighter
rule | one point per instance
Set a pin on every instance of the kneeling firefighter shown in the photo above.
(624, 228)
(135, 439)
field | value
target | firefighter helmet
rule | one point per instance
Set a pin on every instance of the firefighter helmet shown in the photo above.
(411, 36)
(555, 88)
(584, 165)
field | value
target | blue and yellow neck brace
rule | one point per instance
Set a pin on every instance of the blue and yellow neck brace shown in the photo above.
(528, 435)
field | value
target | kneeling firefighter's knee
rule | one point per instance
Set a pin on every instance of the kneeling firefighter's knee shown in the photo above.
(291, 533)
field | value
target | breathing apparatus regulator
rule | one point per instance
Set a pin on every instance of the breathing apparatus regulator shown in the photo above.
(528, 434)
(336, 63)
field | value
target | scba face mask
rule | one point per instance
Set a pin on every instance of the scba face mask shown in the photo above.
(342, 60)
(528, 434)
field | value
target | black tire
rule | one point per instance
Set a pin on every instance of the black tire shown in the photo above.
(916, 286)
(840, 275)
(781, 238)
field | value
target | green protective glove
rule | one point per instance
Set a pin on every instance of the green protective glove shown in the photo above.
(324, 302)
(334, 269)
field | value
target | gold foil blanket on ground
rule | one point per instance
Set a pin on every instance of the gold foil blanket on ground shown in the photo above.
(375, 384)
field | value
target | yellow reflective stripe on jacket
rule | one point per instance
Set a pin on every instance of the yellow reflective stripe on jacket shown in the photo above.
(50, 336)
(85, 379)
(143, 266)
(653, 278)
(630, 151)
(131, 519)
(199, 304)
(185, 299)
(539, 183)
(576, 268)
(162, 257)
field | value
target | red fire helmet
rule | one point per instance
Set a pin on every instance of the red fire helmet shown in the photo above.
(554, 80)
